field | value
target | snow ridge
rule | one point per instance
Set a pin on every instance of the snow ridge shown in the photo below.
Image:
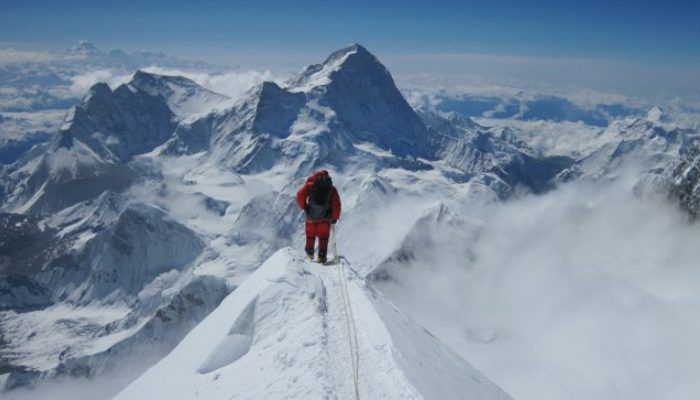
(185, 98)
(288, 339)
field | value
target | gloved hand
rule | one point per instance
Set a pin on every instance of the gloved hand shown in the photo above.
(333, 221)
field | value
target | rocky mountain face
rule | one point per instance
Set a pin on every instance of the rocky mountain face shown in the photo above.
(91, 151)
(36, 94)
(185, 98)
(102, 252)
(685, 182)
(118, 124)
(365, 101)
(96, 144)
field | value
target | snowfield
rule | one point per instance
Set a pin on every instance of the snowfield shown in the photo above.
(283, 334)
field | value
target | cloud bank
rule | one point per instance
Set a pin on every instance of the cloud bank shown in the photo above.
(233, 84)
(586, 292)
(574, 74)
(12, 56)
(82, 82)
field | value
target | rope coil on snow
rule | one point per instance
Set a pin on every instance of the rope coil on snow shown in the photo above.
(349, 320)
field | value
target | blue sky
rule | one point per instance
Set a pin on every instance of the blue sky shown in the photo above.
(642, 31)
(641, 48)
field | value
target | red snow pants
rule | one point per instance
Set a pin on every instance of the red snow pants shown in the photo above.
(320, 229)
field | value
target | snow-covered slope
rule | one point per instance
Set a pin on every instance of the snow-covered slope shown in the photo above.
(365, 100)
(648, 143)
(98, 140)
(283, 334)
(185, 98)
(88, 155)
(99, 281)
(495, 152)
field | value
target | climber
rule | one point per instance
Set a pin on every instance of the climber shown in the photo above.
(320, 201)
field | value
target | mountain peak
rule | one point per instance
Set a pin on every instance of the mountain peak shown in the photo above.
(100, 90)
(144, 80)
(366, 102)
(657, 115)
(85, 48)
(99, 87)
(353, 57)
(185, 97)
(353, 48)
(141, 74)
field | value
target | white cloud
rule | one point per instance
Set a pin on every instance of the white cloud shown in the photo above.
(70, 388)
(423, 86)
(547, 138)
(570, 74)
(420, 98)
(12, 56)
(586, 292)
(81, 83)
(232, 84)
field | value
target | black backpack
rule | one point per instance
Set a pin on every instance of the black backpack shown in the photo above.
(320, 198)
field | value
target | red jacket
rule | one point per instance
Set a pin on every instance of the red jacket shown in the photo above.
(303, 195)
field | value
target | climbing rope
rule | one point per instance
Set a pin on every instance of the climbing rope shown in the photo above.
(349, 320)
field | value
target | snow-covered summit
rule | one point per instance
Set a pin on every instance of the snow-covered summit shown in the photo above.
(366, 101)
(84, 49)
(89, 153)
(113, 122)
(657, 115)
(321, 74)
(283, 334)
(185, 98)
